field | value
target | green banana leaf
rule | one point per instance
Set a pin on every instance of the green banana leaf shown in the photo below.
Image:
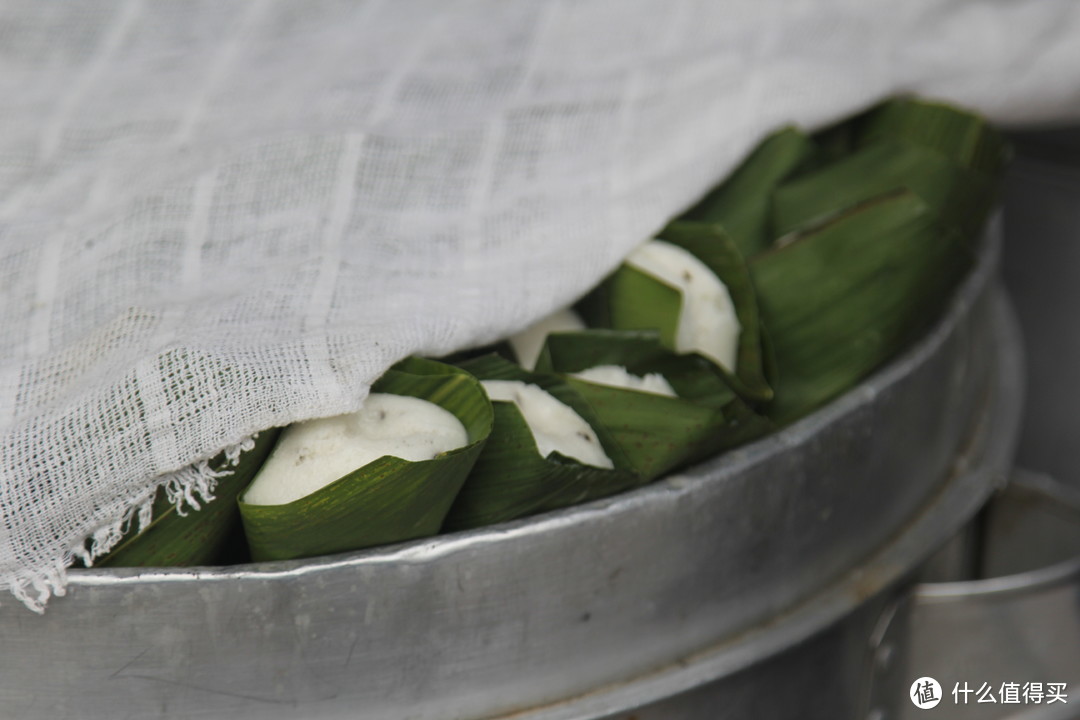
(843, 298)
(511, 480)
(830, 144)
(963, 137)
(742, 202)
(657, 433)
(962, 197)
(388, 500)
(630, 299)
(502, 348)
(198, 537)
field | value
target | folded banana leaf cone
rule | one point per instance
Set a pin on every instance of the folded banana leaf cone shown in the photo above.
(512, 477)
(949, 158)
(390, 499)
(206, 532)
(658, 433)
(870, 236)
(635, 298)
(841, 299)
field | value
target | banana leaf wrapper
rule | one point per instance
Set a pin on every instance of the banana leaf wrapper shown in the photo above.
(950, 158)
(511, 480)
(198, 537)
(961, 196)
(964, 138)
(388, 500)
(502, 348)
(657, 433)
(843, 298)
(742, 202)
(630, 299)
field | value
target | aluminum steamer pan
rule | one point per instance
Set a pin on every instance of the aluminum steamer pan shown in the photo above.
(553, 616)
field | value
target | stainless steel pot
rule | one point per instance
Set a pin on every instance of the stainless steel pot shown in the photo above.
(592, 612)
(1017, 623)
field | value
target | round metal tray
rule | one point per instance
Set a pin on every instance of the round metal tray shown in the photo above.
(574, 614)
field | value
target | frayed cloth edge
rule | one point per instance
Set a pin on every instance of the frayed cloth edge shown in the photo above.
(187, 489)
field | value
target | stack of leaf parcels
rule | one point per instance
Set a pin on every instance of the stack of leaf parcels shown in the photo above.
(816, 261)
(856, 236)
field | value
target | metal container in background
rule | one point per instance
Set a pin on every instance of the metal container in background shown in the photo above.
(696, 597)
(1041, 268)
(1000, 602)
(1019, 623)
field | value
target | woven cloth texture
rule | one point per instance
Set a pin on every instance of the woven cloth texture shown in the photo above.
(217, 218)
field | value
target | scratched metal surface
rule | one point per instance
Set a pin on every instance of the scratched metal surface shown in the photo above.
(534, 613)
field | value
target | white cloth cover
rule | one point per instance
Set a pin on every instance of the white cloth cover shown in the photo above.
(222, 217)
